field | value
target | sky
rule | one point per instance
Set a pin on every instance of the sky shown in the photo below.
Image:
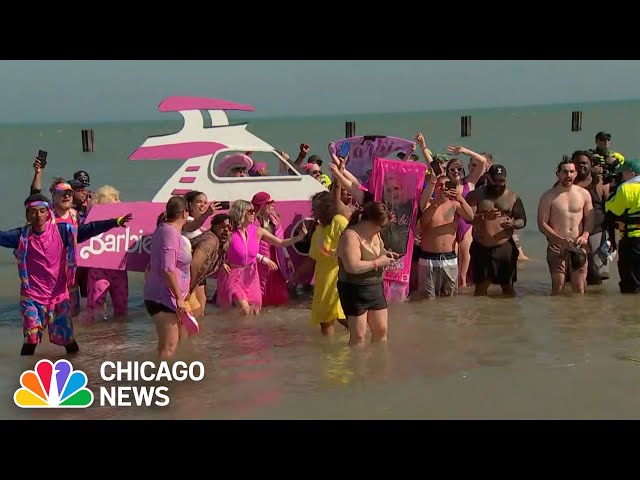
(131, 90)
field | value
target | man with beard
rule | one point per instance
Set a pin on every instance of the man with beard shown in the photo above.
(209, 251)
(494, 254)
(598, 267)
(565, 215)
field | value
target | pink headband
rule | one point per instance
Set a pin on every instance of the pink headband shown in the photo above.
(62, 187)
(37, 203)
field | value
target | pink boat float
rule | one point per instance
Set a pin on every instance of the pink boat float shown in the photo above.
(202, 144)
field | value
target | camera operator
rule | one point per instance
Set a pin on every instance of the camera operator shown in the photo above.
(599, 249)
(609, 159)
(625, 204)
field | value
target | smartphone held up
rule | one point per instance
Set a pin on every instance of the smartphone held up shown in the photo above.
(42, 157)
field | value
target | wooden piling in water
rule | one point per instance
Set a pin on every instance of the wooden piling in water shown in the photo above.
(350, 129)
(87, 141)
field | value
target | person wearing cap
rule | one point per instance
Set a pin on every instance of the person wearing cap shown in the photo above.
(46, 252)
(80, 198)
(565, 217)
(83, 177)
(274, 263)
(259, 170)
(312, 162)
(603, 142)
(499, 212)
(314, 170)
(625, 204)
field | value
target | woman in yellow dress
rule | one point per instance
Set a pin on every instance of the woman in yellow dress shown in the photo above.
(326, 308)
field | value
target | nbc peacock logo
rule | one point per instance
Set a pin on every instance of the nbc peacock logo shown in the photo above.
(52, 385)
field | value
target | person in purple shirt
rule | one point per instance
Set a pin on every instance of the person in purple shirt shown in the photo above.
(168, 275)
(45, 250)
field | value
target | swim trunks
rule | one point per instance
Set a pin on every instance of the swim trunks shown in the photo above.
(437, 274)
(559, 257)
(36, 317)
(497, 264)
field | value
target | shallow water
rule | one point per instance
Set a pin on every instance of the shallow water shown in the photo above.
(526, 357)
(463, 358)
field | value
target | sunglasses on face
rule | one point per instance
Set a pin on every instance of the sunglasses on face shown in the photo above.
(456, 169)
(251, 211)
(239, 169)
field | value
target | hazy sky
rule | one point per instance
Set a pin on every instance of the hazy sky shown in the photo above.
(65, 90)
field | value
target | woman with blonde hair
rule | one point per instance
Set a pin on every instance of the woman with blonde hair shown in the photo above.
(240, 287)
(101, 281)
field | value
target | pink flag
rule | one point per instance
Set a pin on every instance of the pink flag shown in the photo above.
(363, 149)
(398, 185)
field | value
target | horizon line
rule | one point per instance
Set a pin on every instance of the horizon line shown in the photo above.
(244, 116)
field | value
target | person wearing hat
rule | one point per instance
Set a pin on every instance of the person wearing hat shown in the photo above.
(565, 217)
(81, 197)
(603, 152)
(314, 170)
(274, 263)
(494, 254)
(83, 177)
(234, 165)
(625, 204)
(83, 181)
(259, 170)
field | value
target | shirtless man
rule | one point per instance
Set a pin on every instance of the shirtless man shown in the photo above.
(565, 217)
(438, 262)
(494, 254)
(598, 266)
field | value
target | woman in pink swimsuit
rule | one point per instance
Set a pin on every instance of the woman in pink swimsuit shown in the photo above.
(455, 172)
(241, 286)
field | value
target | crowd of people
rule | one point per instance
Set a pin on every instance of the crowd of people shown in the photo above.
(467, 221)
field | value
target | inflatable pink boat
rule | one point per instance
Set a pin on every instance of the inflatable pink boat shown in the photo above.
(205, 139)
